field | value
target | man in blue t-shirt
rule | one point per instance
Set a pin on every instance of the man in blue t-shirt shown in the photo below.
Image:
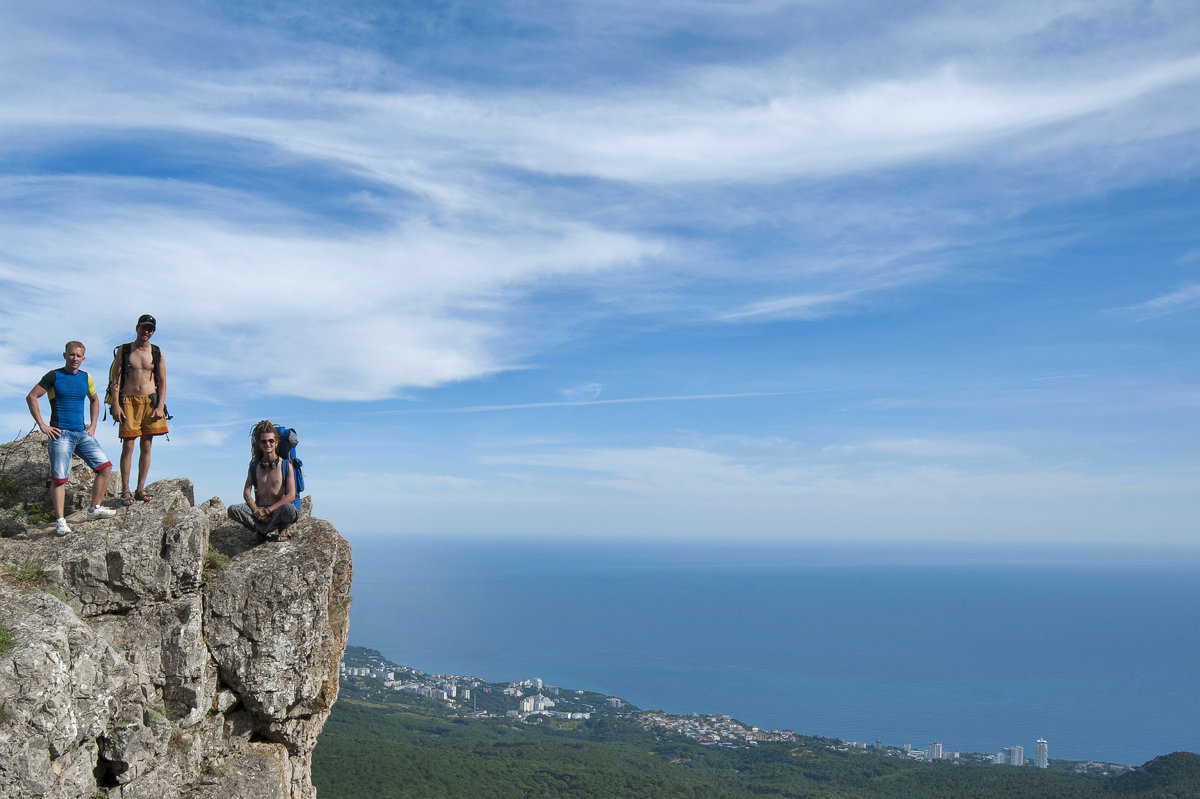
(66, 388)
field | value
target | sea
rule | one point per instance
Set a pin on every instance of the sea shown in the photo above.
(1095, 650)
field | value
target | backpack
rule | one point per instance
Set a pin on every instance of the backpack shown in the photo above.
(286, 451)
(124, 349)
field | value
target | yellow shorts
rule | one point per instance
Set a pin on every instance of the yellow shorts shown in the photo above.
(137, 421)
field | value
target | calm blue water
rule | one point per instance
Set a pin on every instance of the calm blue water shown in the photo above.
(1099, 658)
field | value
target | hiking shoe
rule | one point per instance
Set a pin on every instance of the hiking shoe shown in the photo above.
(100, 512)
(60, 527)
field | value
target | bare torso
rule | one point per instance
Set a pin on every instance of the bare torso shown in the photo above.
(270, 484)
(139, 377)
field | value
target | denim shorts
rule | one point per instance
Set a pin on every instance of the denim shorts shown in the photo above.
(83, 445)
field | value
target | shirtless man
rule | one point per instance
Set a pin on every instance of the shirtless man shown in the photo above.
(270, 490)
(68, 434)
(139, 397)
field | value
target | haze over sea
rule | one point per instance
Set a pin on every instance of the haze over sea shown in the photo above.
(978, 648)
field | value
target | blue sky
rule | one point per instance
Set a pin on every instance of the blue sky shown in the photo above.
(726, 270)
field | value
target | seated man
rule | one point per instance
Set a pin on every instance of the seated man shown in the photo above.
(270, 489)
(68, 434)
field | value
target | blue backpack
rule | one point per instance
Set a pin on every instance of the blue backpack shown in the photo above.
(287, 451)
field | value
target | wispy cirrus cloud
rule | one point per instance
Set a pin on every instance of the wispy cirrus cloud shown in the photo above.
(597, 401)
(448, 308)
(1182, 299)
(707, 493)
(925, 448)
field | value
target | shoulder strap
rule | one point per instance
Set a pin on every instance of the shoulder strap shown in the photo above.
(155, 356)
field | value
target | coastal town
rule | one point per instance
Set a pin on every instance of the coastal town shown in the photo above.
(531, 700)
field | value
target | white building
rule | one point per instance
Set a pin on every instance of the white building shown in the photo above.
(1013, 755)
(934, 751)
(536, 704)
(1042, 757)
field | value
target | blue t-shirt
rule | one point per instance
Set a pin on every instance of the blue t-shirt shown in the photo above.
(66, 393)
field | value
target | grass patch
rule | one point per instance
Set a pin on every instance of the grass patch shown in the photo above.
(8, 490)
(29, 574)
(214, 561)
(8, 638)
(36, 512)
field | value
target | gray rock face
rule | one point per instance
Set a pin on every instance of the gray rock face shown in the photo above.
(163, 652)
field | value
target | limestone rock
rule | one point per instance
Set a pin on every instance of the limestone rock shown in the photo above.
(162, 652)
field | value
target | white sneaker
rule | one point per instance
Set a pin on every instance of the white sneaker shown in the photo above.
(100, 512)
(60, 527)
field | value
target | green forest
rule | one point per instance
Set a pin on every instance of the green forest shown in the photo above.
(409, 747)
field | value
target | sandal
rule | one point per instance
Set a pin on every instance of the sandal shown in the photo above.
(142, 496)
(126, 498)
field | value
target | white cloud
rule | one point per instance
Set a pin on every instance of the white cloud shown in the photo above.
(686, 493)
(755, 122)
(926, 448)
(413, 305)
(582, 392)
(210, 437)
(1182, 299)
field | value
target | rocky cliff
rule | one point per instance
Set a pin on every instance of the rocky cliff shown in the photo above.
(163, 652)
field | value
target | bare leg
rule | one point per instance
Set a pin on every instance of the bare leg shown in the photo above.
(143, 460)
(126, 461)
(58, 497)
(100, 485)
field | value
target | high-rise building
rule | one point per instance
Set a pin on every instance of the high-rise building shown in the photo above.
(1014, 755)
(1042, 758)
(934, 751)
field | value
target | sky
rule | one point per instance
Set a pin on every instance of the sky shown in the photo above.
(732, 271)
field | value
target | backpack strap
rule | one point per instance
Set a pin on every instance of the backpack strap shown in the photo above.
(125, 348)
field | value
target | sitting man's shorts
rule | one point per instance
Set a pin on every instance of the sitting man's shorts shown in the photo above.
(137, 421)
(80, 443)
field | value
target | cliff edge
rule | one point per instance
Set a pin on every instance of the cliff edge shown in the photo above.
(162, 652)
